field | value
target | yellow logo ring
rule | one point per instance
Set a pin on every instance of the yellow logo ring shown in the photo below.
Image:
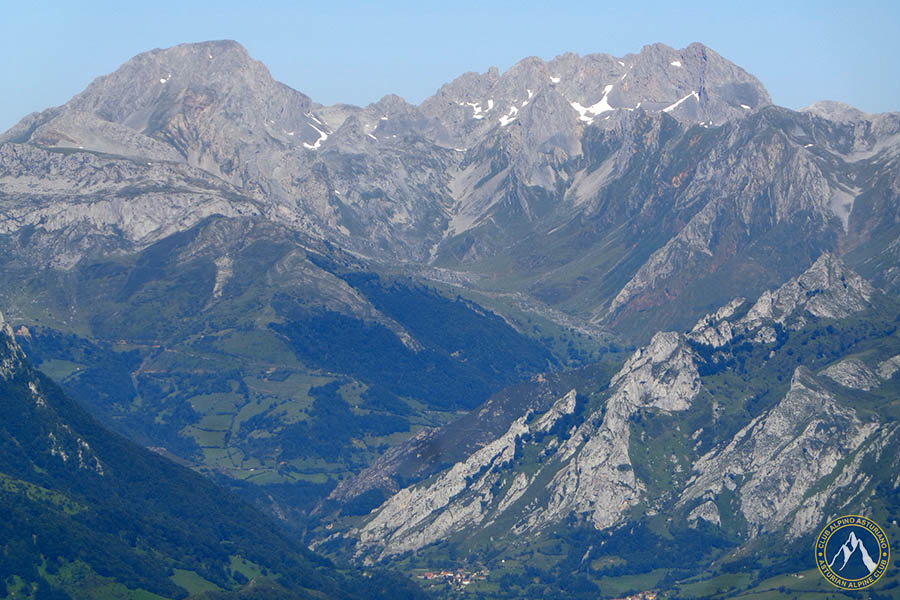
(860, 539)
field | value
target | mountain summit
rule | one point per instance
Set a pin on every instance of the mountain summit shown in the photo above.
(207, 104)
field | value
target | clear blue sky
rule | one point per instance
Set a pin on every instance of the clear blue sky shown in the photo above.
(356, 52)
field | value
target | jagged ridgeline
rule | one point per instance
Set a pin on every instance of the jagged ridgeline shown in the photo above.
(88, 514)
(720, 451)
(635, 192)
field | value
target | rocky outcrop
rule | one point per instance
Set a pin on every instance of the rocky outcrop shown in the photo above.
(708, 511)
(853, 373)
(11, 355)
(887, 368)
(597, 479)
(851, 483)
(586, 470)
(827, 289)
(459, 498)
(773, 462)
(54, 436)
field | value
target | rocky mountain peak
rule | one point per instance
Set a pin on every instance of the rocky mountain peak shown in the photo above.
(836, 111)
(827, 289)
(161, 74)
(392, 103)
(693, 84)
(167, 104)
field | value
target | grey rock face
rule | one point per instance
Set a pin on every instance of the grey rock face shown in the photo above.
(534, 116)
(777, 458)
(780, 472)
(887, 368)
(11, 355)
(751, 190)
(419, 515)
(85, 203)
(853, 373)
(593, 472)
(58, 438)
(708, 511)
(598, 480)
(828, 289)
(693, 83)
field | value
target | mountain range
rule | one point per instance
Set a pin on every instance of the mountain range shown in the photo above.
(730, 414)
(585, 296)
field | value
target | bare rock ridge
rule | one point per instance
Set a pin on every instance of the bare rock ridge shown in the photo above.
(693, 83)
(771, 471)
(779, 456)
(827, 289)
(57, 438)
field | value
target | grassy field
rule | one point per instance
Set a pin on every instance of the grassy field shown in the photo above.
(192, 582)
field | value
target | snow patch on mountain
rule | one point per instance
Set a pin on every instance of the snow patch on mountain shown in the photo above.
(677, 103)
(322, 137)
(599, 107)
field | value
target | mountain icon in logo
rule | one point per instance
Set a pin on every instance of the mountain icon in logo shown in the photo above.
(852, 552)
(849, 549)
